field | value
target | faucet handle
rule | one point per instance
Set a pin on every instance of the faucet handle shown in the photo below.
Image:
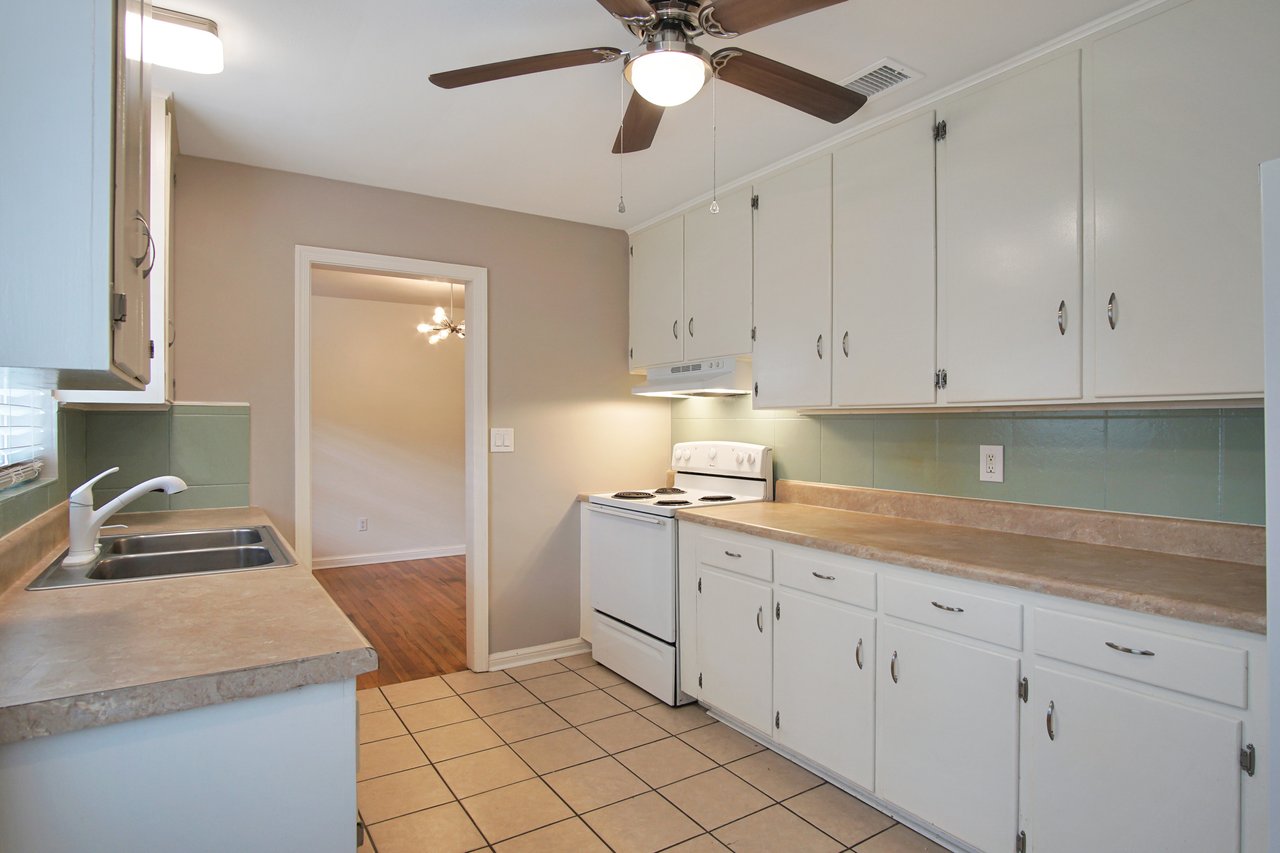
(83, 494)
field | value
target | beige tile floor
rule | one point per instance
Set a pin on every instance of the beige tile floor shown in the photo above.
(566, 756)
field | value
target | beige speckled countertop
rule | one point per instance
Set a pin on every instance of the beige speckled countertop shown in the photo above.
(1213, 592)
(80, 657)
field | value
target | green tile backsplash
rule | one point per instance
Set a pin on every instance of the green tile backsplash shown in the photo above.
(1190, 463)
(207, 446)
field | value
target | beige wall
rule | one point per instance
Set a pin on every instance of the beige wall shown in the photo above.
(557, 354)
(387, 439)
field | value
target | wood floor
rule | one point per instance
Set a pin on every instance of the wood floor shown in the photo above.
(412, 612)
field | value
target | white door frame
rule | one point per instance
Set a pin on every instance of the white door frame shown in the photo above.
(476, 281)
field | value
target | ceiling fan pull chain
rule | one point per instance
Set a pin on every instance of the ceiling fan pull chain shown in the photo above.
(622, 142)
(715, 202)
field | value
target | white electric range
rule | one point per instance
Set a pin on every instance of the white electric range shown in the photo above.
(631, 554)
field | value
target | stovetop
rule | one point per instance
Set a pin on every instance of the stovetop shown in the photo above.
(708, 473)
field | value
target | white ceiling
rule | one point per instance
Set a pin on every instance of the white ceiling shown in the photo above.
(340, 90)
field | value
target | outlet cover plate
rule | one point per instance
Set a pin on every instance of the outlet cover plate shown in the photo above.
(991, 463)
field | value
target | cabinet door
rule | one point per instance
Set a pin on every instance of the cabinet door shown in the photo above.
(134, 251)
(657, 294)
(883, 289)
(717, 279)
(1128, 772)
(824, 685)
(791, 362)
(947, 734)
(1175, 175)
(1009, 238)
(735, 643)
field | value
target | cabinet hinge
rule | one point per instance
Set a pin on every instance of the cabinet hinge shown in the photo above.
(631, 250)
(755, 202)
(699, 679)
(777, 610)
(756, 388)
(359, 833)
(699, 584)
(119, 307)
(940, 379)
(753, 334)
(1020, 845)
(151, 349)
(777, 719)
(1249, 759)
(940, 131)
(1024, 690)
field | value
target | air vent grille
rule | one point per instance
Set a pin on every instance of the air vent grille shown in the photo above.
(880, 77)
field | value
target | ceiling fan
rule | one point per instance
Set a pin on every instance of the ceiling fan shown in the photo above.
(667, 68)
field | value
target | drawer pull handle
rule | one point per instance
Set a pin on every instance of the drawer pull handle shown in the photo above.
(1048, 723)
(857, 654)
(946, 608)
(731, 554)
(760, 619)
(824, 577)
(1146, 653)
(893, 667)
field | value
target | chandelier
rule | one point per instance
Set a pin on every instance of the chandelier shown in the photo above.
(442, 325)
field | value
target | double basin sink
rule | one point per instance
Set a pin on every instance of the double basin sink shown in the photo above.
(145, 556)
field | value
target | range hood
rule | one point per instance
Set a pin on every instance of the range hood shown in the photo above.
(714, 377)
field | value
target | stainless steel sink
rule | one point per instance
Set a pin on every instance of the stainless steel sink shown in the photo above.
(147, 556)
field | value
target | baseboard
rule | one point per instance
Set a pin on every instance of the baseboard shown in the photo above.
(388, 557)
(537, 654)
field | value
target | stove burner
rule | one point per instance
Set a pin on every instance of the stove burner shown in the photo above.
(672, 503)
(668, 490)
(716, 498)
(632, 496)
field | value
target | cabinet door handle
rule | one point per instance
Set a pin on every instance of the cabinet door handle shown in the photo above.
(823, 577)
(1048, 723)
(893, 667)
(1146, 653)
(946, 608)
(1111, 311)
(857, 653)
(675, 324)
(731, 554)
(845, 344)
(819, 346)
(760, 619)
(1062, 317)
(691, 327)
(149, 253)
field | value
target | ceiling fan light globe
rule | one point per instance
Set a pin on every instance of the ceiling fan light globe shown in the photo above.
(668, 78)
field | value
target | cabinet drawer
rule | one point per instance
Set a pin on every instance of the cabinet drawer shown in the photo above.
(735, 555)
(975, 616)
(828, 578)
(1207, 670)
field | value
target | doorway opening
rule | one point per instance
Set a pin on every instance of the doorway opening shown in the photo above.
(391, 469)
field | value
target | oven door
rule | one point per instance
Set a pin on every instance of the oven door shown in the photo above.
(632, 561)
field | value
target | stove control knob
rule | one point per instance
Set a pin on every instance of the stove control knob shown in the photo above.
(751, 459)
(711, 454)
(687, 454)
(737, 456)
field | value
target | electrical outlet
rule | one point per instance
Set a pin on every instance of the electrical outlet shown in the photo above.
(362, 525)
(991, 463)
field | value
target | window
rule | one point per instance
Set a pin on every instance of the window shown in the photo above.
(26, 437)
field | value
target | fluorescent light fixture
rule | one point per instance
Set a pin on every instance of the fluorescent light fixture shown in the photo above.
(668, 73)
(181, 41)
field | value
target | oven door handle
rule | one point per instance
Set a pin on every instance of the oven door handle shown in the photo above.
(629, 516)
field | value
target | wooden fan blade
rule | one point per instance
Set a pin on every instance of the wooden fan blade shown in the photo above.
(627, 8)
(527, 65)
(786, 85)
(639, 125)
(742, 16)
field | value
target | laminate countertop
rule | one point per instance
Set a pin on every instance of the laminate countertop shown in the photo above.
(1213, 592)
(79, 657)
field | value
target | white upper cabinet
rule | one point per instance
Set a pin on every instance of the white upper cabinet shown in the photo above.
(883, 268)
(1184, 109)
(791, 363)
(717, 279)
(657, 294)
(1009, 238)
(75, 249)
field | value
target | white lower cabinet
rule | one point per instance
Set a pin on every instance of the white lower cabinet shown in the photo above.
(1114, 769)
(947, 734)
(824, 684)
(735, 646)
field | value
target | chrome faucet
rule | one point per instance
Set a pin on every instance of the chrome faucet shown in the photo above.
(86, 523)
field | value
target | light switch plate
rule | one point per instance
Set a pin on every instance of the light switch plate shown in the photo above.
(991, 463)
(502, 440)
